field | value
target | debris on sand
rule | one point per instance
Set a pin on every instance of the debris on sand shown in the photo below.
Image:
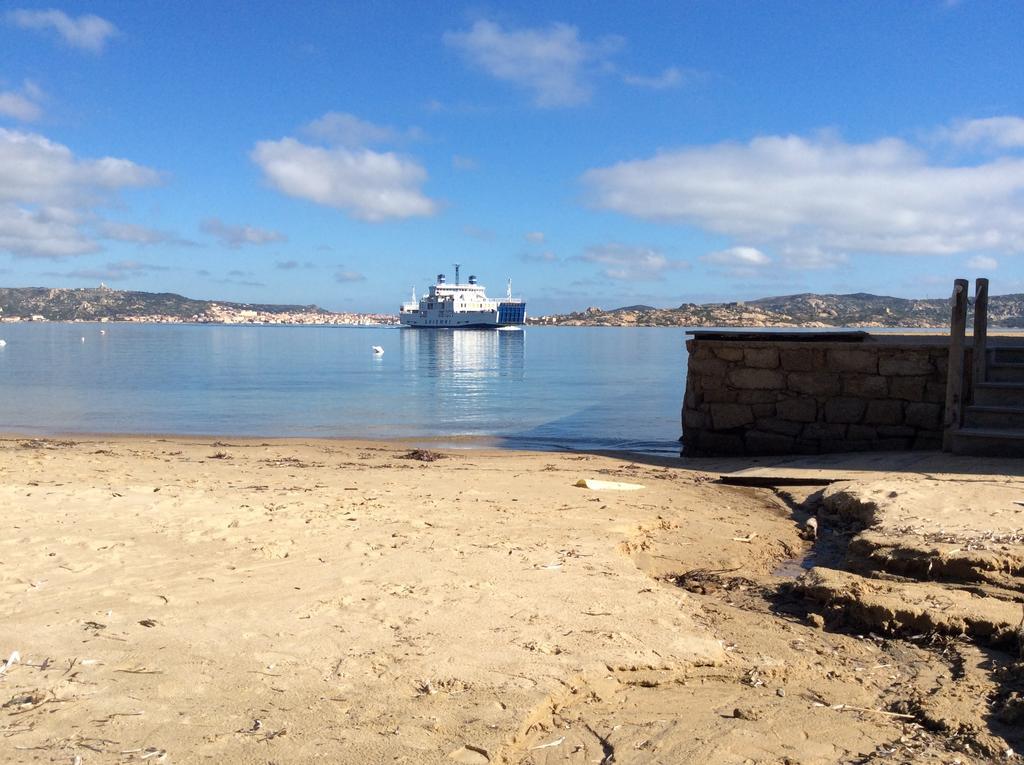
(590, 483)
(423, 455)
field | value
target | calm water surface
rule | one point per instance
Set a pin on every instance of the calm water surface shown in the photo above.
(543, 387)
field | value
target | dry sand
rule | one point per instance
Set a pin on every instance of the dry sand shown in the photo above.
(285, 602)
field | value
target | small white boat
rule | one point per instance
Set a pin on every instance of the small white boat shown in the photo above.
(378, 350)
(2, 342)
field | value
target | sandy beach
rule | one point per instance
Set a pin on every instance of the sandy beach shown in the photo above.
(189, 600)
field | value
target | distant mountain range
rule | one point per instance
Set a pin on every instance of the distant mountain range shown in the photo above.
(104, 303)
(805, 310)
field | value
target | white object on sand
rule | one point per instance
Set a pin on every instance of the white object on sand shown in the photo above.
(378, 350)
(590, 483)
(14, 658)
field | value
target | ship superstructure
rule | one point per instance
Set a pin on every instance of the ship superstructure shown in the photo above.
(466, 306)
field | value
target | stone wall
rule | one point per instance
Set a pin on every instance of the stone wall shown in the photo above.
(797, 397)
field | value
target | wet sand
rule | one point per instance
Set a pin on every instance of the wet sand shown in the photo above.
(189, 600)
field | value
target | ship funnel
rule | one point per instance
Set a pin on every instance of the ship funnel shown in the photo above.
(440, 278)
(472, 279)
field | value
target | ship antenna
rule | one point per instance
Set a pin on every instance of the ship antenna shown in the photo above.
(414, 293)
(508, 291)
(456, 271)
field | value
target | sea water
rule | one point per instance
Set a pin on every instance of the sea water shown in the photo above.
(537, 388)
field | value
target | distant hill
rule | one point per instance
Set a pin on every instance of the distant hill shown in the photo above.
(804, 310)
(105, 303)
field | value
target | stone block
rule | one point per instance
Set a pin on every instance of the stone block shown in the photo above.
(728, 416)
(845, 409)
(908, 388)
(925, 441)
(797, 409)
(763, 410)
(775, 425)
(924, 416)
(821, 383)
(757, 379)
(707, 367)
(820, 431)
(729, 352)
(757, 396)
(935, 391)
(852, 360)
(802, 359)
(758, 442)
(861, 433)
(718, 394)
(693, 418)
(905, 364)
(896, 431)
(884, 412)
(866, 386)
(714, 443)
(761, 358)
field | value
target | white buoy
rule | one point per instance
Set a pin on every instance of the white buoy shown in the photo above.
(2, 342)
(378, 350)
(83, 339)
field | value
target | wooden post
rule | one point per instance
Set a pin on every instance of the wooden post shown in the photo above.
(955, 372)
(980, 330)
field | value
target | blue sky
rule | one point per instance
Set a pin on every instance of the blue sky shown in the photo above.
(597, 153)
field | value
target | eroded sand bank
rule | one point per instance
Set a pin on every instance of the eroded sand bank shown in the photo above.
(190, 600)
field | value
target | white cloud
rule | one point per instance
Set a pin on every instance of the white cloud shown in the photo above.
(539, 257)
(535, 236)
(35, 170)
(112, 272)
(670, 78)
(87, 32)
(348, 130)
(997, 132)
(346, 277)
(627, 263)
(983, 263)
(812, 259)
(135, 234)
(24, 105)
(823, 193)
(48, 196)
(237, 236)
(742, 262)
(551, 62)
(43, 232)
(369, 185)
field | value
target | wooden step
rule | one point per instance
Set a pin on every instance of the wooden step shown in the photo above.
(999, 394)
(1006, 355)
(1004, 372)
(994, 417)
(989, 442)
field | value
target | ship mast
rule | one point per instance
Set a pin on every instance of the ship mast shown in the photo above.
(508, 290)
(456, 271)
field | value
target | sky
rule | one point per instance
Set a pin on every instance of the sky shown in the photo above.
(598, 154)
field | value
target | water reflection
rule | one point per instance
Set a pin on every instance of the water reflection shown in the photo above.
(465, 357)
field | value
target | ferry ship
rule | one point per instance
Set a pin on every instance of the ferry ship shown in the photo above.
(462, 306)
